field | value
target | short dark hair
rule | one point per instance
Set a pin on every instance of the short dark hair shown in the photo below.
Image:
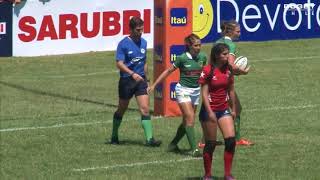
(135, 22)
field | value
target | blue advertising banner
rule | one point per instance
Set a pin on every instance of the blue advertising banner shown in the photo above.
(260, 20)
(5, 29)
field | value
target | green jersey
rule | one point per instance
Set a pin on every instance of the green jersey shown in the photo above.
(228, 41)
(190, 69)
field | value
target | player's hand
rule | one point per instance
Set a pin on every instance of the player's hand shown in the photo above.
(246, 70)
(233, 114)
(137, 77)
(239, 71)
(150, 89)
(212, 116)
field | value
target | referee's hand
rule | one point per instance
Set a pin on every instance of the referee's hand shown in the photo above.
(137, 77)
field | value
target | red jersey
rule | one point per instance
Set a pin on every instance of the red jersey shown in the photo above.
(218, 86)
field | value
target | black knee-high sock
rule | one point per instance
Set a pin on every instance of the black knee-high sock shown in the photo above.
(117, 119)
(230, 144)
(181, 131)
(207, 157)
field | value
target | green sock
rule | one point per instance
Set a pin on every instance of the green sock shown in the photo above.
(190, 136)
(181, 131)
(147, 126)
(117, 119)
(237, 127)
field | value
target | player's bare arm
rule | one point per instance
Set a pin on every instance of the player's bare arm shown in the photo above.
(232, 96)
(162, 76)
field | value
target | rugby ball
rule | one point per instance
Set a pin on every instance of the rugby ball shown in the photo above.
(241, 62)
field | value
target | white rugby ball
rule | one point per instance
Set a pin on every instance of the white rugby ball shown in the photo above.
(241, 62)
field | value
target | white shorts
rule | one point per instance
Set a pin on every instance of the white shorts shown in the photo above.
(186, 94)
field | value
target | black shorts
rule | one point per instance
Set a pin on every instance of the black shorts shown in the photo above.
(128, 87)
(203, 115)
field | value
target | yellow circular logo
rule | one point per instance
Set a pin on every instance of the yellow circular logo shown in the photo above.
(202, 19)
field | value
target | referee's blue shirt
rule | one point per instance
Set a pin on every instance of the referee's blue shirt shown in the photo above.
(133, 54)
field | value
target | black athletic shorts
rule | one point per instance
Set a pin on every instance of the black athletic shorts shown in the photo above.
(203, 115)
(128, 87)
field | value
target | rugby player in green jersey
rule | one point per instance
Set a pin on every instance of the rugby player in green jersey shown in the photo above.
(190, 64)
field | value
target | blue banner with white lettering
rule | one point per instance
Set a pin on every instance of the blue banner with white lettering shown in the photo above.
(259, 20)
(5, 29)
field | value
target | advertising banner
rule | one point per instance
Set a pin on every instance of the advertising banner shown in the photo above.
(63, 27)
(5, 29)
(260, 20)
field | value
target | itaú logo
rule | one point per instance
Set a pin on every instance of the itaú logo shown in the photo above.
(173, 95)
(178, 16)
(109, 23)
(175, 51)
(290, 16)
(3, 28)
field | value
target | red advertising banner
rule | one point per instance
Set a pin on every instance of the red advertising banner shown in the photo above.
(172, 23)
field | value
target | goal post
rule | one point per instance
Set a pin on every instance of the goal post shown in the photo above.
(172, 23)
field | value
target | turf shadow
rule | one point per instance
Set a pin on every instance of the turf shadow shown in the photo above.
(62, 96)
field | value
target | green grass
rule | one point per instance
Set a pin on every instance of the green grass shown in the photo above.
(70, 100)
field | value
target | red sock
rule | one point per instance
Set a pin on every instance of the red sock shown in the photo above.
(207, 162)
(228, 157)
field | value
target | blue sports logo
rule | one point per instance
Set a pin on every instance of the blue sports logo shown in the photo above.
(173, 96)
(178, 17)
(158, 94)
(175, 51)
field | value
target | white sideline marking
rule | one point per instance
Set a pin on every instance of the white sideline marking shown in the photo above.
(286, 59)
(70, 75)
(157, 117)
(53, 126)
(135, 164)
(82, 75)
(282, 108)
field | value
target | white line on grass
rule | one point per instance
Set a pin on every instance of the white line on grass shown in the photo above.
(53, 126)
(282, 108)
(157, 117)
(286, 59)
(82, 75)
(135, 164)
